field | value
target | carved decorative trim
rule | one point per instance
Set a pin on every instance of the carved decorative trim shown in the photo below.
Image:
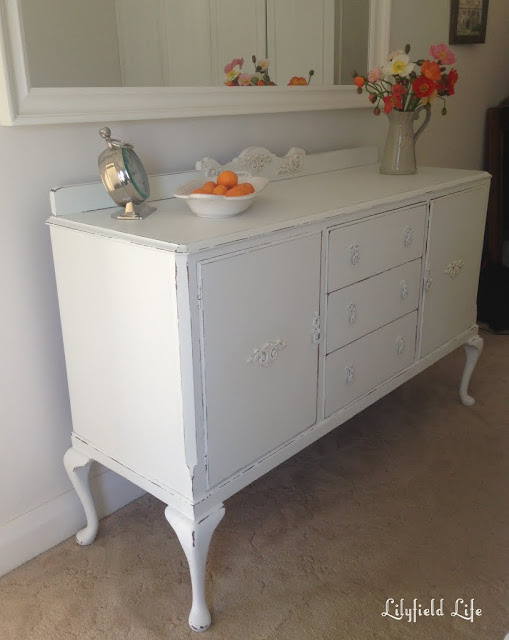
(293, 162)
(267, 354)
(211, 167)
(453, 269)
(254, 160)
(316, 330)
(257, 161)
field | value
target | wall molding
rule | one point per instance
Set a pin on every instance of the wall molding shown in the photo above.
(49, 524)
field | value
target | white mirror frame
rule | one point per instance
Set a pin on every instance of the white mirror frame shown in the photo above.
(22, 104)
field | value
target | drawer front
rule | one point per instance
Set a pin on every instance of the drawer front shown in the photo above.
(354, 311)
(362, 250)
(361, 366)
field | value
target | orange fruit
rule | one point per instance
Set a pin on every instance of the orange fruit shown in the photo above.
(234, 192)
(199, 191)
(209, 187)
(248, 188)
(228, 179)
(220, 190)
(297, 80)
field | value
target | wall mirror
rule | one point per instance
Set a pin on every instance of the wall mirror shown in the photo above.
(73, 61)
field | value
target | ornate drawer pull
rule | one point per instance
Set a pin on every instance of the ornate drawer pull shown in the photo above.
(403, 289)
(316, 329)
(267, 354)
(349, 370)
(352, 313)
(354, 254)
(453, 269)
(428, 281)
(400, 345)
(409, 236)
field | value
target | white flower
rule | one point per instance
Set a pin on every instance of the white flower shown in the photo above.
(392, 54)
(263, 64)
(232, 74)
(400, 65)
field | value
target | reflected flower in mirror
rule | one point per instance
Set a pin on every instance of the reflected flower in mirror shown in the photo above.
(236, 77)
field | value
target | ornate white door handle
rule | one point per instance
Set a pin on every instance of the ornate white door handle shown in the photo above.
(409, 236)
(403, 290)
(354, 254)
(400, 345)
(453, 269)
(267, 354)
(352, 313)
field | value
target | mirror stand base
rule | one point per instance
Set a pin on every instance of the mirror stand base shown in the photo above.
(133, 212)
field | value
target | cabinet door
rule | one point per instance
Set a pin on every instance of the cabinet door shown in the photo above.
(452, 269)
(259, 351)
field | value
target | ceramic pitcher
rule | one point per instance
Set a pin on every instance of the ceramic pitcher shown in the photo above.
(399, 151)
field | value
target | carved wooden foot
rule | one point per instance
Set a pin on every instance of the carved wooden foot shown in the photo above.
(77, 466)
(473, 350)
(195, 540)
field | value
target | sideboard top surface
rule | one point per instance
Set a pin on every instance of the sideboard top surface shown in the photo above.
(286, 203)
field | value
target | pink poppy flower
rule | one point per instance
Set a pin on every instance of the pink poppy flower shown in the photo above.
(442, 53)
(374, 74)
(236, 61)
(244, 79)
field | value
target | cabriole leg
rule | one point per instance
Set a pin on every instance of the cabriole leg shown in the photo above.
(77, 466)
(473, 350)
(195, 540)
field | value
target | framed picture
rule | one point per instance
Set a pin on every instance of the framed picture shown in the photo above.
(468, 21)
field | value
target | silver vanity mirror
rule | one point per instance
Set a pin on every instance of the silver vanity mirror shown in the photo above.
(74, 61)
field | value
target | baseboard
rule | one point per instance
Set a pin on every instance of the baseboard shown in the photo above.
(45, 526)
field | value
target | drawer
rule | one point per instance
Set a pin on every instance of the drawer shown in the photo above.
(364, 249)
(354, 311)
(361, 366)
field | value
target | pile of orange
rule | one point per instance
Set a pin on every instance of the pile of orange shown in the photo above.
(227, 185)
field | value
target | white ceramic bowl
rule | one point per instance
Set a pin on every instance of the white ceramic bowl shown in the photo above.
(209, 206)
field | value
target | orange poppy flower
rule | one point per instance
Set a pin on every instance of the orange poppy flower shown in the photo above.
(431, 70)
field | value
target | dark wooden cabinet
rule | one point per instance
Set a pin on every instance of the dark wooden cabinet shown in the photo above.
(498, 166)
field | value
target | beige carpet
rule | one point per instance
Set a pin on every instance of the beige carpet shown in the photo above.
(407, 500)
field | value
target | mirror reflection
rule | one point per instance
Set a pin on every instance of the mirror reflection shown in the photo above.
(187, 43)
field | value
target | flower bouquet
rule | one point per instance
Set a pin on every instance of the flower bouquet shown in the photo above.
(236, 77)
(403, 88)
(405, 85)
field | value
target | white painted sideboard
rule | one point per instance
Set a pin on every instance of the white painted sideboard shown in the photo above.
(202, 353)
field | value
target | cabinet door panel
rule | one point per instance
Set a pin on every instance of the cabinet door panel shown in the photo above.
(452, 268)
(259, 360)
